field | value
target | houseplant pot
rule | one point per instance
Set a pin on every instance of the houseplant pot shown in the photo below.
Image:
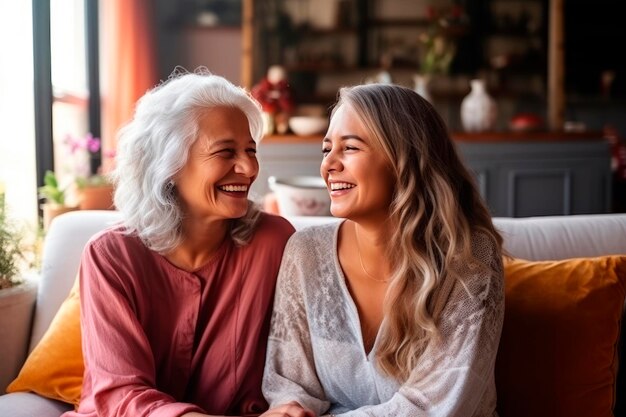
(96, 197)
(17, 301)
(51, 210)
(17, 305)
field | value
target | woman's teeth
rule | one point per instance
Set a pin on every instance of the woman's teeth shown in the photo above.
(234, 188)
(341, 186)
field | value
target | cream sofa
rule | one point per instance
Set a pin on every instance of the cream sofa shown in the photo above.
(538, 238)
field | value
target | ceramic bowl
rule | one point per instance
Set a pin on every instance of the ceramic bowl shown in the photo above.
(301, 195)
(308, 125)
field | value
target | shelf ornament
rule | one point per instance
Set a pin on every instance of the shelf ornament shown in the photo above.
(276, 98)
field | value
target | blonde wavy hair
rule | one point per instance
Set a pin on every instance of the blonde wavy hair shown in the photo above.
(436, 209)
(154, 147)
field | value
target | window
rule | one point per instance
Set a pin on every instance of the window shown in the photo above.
(17, 137)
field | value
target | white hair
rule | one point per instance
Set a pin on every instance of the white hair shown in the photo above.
(154, 147)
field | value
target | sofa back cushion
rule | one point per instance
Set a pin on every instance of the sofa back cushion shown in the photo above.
(563, 237)
(558, 353)
(63, 247)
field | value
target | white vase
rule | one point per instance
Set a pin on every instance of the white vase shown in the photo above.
(478, 109)
(422, 86)
(268, 123)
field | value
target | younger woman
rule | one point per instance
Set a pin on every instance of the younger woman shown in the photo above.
(397, 310)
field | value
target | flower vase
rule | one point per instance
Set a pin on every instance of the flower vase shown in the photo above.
(422, 86)
(478, 109)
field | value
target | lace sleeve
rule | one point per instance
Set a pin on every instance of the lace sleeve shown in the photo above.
(290, 369)
(455, 372)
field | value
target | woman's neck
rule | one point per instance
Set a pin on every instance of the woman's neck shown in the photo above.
(371, 242)
(201, 240)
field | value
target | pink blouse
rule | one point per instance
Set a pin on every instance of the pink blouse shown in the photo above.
(160, 341)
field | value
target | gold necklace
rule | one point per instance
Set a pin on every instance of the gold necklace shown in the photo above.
(358, 248)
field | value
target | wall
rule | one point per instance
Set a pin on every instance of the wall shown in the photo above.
(218, 49)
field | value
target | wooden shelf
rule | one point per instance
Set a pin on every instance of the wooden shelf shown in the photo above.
(416, 22)
(292, 138)
(309, 31)
(502, 136)
(536, 136)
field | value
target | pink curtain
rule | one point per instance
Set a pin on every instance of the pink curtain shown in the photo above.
(129, 65)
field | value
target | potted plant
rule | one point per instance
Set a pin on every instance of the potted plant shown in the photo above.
(95, 193)
(437, 46)
(54, 197)
(17, 300)
(94, 190)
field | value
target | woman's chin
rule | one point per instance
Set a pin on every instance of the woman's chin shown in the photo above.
(338, 211)
(239, 214)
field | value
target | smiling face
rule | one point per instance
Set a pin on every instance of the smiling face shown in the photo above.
(358, 177)
(222, 164)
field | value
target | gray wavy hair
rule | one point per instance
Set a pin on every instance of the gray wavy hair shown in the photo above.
(154, 146)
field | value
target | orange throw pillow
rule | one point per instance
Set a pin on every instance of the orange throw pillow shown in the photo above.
(54, 369)
(558, 352)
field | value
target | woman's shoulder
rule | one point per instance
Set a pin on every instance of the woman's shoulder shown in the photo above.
(114, 240)
(273, 228)
(312, 237)
(485, 247)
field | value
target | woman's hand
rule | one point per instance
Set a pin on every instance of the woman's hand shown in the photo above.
(291, 409)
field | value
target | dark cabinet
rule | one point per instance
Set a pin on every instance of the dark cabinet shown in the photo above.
(516, 178)
(555, 178)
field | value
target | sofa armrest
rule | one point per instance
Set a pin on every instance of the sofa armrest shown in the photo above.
(27, 404)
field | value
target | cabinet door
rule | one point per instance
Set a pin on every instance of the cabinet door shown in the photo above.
(520, 179)
(486, 182)
(557, 187)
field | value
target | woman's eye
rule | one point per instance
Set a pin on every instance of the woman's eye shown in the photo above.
(351, 148)
(226, 152)
(251, 150)
(325, 151)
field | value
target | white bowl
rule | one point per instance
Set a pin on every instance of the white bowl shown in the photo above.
(308, 125)
(301, 195)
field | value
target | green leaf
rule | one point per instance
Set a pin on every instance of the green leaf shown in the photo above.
(50, 190)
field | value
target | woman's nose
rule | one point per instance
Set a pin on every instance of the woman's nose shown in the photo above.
(331, 162)
(247, 165)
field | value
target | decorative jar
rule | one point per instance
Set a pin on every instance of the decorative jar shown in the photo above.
(478, 109)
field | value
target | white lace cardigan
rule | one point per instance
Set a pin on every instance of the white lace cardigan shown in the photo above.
(315, 353)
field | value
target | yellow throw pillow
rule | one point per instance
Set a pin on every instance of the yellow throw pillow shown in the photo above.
(54, 369)
(558, 352)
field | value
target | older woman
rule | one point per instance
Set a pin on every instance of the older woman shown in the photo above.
(175, 300)
(397, 310)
